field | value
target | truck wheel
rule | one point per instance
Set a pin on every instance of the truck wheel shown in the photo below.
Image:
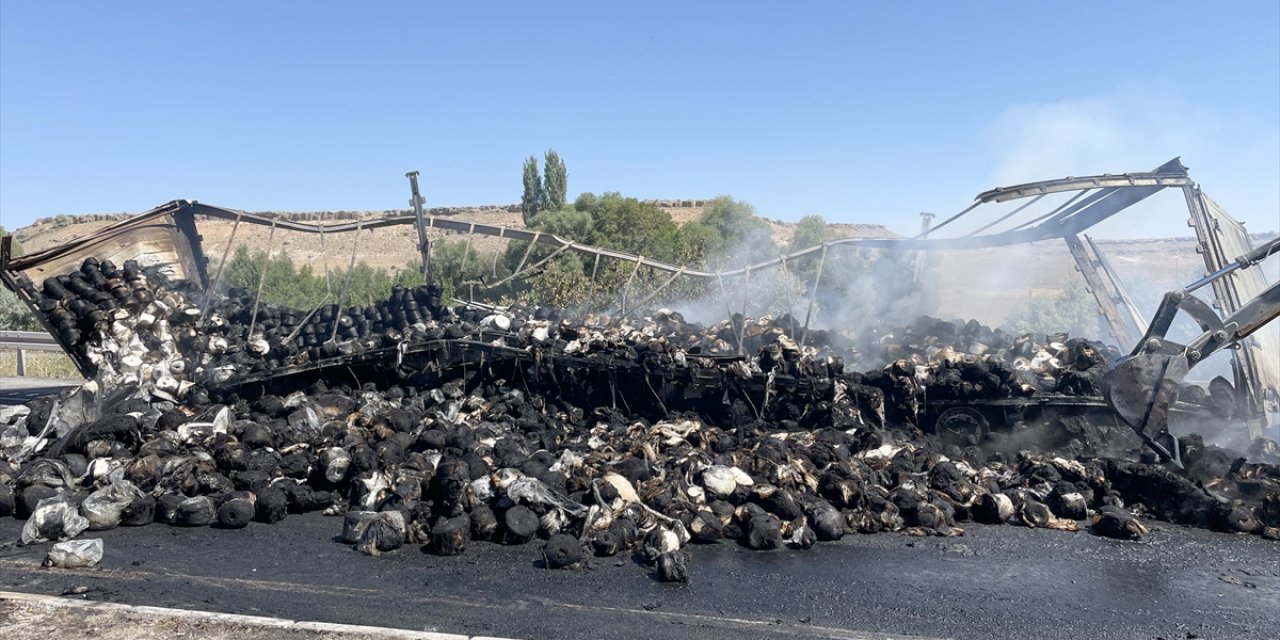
(962, 426)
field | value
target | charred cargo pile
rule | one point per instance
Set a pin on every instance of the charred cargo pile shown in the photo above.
(978, 362)
(134, 325)
(593, 439)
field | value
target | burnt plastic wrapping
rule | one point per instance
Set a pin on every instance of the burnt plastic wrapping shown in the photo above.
(75, 554)
(54, 519)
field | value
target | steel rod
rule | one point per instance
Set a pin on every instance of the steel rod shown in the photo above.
(591, 290)
(813, 295)
(1000, 219)
(653, 295)
(530, 268)
(742, 326)
(217, 278)
(626, 288)
(346, 290)
(262, 279)
(949, 220)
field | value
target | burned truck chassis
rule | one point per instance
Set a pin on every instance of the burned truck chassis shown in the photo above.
(712, 392)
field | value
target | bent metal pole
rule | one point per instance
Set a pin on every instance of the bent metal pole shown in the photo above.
(424, 245)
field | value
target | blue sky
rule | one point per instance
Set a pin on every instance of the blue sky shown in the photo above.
(858, 111)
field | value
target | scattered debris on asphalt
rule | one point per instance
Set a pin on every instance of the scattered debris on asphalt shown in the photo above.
(445, 427)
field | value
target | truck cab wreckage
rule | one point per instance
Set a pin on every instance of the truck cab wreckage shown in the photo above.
(779, 438)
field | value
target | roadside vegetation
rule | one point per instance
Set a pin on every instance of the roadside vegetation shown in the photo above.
(53, 365)
(727, 235)
(15, 316)
(1072, 310)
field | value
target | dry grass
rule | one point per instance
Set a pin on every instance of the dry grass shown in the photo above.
(54, 365)
(28, 621)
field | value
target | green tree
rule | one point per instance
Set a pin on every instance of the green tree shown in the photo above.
(16, 249)
(242, 270)
(532, 198)
(585, 201)
(461, 270)
(810, 231)
(282, 282)
(627, 224)
(741, 238)
(643, 228)
(555, 281)
(692, 240)
(611, 221)
(562, 282)
(840, 267)
(571, 224)
(14, 315)
(287, 284)
(555, 182)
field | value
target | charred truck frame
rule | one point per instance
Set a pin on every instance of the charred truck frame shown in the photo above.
(168, 237)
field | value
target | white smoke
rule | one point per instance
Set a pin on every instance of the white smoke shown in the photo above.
(1234, 158)
(1088, 136)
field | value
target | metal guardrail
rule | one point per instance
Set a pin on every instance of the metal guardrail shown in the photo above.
(24, 341)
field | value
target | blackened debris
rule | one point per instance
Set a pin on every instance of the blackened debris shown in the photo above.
(449, 427)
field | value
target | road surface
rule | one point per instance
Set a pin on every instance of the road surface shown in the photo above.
(995, 582)
(21, 390)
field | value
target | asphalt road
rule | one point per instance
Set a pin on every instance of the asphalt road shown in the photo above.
(995, 582)
(21, 390)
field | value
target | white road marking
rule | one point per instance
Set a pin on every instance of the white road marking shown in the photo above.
(233, 618)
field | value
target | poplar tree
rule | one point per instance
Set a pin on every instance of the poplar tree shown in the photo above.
(555, 182)
(531, 199)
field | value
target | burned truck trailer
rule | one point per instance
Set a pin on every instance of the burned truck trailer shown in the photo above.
(92, 296)
(447, 425)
